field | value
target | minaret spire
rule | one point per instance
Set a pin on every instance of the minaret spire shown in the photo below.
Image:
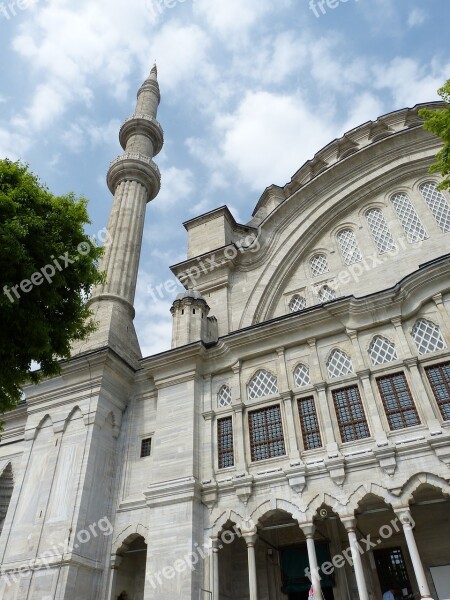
(134, 179)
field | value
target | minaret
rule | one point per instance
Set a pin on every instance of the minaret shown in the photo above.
(134, 179)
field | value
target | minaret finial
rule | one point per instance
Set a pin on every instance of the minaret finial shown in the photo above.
(154, 68)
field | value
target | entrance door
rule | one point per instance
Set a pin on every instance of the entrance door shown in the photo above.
(294, 565)
(392, 572)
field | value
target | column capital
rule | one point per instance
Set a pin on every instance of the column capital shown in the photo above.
(349, 523)
(352, 333)
(397, 321)
(364, 374)
(215, 544)
(286, 396)
(116, 561)
(437, 298)
(311, 342)
(236, 368)
(308, 529)
(411, 362)
(280, 350)
(405, 517)
(320, 387)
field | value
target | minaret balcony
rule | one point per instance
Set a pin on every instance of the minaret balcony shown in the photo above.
(132, 166)
(145, 125)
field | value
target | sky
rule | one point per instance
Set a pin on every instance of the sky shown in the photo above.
(251, 89)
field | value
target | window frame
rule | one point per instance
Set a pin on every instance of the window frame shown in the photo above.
(143, 441)
(401, 410)
(439, 403)
(353, 423)
(304, 432)
(221, 451)
(254, 446)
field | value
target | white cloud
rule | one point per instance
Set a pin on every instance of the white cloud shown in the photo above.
(177, 186)
(417, 17)
(270, 136)
(233, 16)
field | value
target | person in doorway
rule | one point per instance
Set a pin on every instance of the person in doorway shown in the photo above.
(389, 595)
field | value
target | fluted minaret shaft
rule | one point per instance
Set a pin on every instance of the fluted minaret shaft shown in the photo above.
(134, 179)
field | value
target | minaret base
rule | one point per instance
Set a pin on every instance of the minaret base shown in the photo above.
(115, 330)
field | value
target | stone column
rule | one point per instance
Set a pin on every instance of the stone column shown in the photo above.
(408, 524)
(443, 319)
(323, 409)
(239, 431)
(250, 537)
(406, 344)
(418, 387)
(372, 407)
(286, 394)
(308, 529)
(115, 564)
(215, 569)
(350, 524)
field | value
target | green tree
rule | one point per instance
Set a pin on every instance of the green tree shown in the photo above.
(47, 267)
(438, 122)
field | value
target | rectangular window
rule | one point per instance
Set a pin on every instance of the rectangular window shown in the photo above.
(439, 378)
(266, 433)
(397, 400)
(146, 447)
(225, 442)
(309, 423)
(350, 414)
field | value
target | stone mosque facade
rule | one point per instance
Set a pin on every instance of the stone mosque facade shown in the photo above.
(296, 435)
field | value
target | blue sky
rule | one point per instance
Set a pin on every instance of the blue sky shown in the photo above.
(251, 89)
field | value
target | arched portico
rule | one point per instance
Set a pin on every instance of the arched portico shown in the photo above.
(128, 566)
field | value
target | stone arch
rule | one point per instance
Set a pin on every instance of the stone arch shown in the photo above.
(416, 481)
(6, 490)
(224, 518)
(127, 536)
(276, 504)
(71, 416)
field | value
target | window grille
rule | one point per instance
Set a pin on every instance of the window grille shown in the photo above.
(146, 447)
(397, 400)
(302, 376)
(224, 396)
(262, 384)
(339, 364)
(380, 231)
(225, 442)
(439, 378)
(266, 433)
(427, 337)
(350, 414)
(437, 204)
(381, 350)
(415, 231)
(297, 303)
(309, 423)
(349, 247)
(326, 294)
(319, 265)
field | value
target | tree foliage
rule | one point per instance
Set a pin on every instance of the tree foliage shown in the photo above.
(47, 267)
(438, 122)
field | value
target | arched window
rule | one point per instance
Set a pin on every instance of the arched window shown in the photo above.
(326, 294)
(224, 396)
(427, 337)
(319, 265)
(297, 303)
(412, 225)
(380, 231)
(437, 204)
(349, 246)
(381, 350)
(262, 384)
(302, 376)
(339, 364)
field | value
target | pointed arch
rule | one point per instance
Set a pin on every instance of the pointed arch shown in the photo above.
(427, 336)
(302, 376)
(382, 350)
(416, 481)
(339, 364)
(263, 383)
(127, 536)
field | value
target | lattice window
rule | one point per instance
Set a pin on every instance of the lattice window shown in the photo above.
(339, 364)
(319, 265)
(415, 231)
(397, 400)
(326, 294)
(266, 433)
(349, 247)
(225, 442)
(381, 350)
(224, 396)
(302, 376)
(297, 303)
(427, 336)
(146, 447)
(439, 378)
(380, 231)
(309, 423)
(437, 204)
(262, 384)
(350, 414)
